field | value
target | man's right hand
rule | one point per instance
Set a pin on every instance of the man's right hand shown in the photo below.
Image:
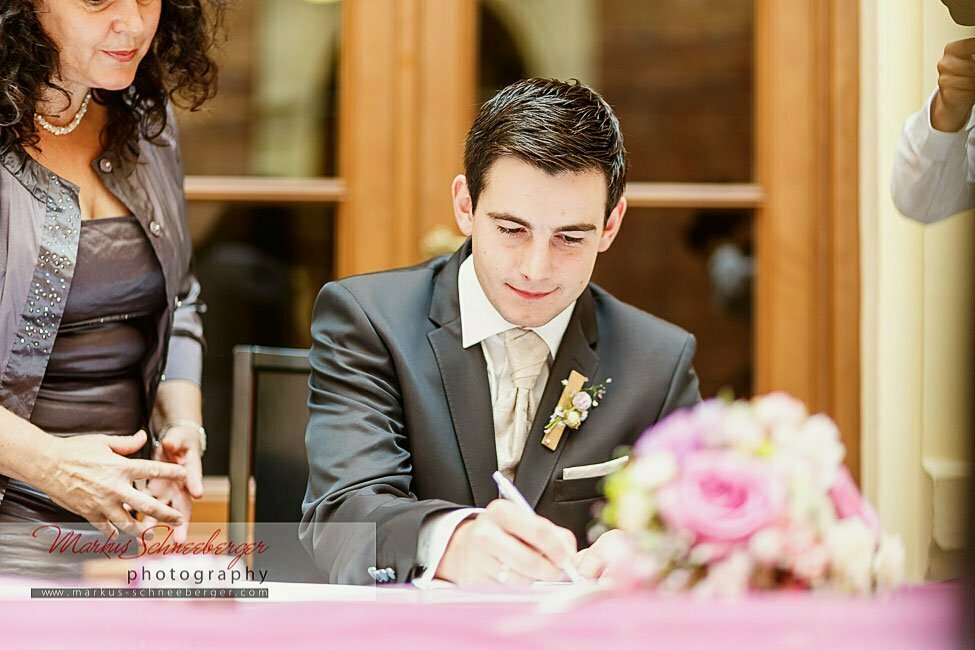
(508, 545)
(956, 87)
(91, 476)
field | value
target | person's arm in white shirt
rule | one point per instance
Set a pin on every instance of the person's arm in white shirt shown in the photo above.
(930, 181)
(435, 534)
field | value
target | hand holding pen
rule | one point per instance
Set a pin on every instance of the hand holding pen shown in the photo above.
(512, 493)
(506, 543)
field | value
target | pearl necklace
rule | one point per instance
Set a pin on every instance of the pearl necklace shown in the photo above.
(70, 126)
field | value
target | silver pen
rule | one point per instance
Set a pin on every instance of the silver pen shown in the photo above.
(512, 493)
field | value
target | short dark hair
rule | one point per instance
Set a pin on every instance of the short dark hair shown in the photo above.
(177, 67)
(556, 126)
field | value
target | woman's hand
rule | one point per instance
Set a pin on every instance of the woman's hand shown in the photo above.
(91, 476)
(181, 446)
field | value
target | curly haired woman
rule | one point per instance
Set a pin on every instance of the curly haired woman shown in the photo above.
(100, 332)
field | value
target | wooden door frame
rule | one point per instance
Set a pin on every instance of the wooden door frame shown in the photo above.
(807, 325)
(397, 157)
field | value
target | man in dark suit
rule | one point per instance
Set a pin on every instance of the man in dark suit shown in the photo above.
(428, 379)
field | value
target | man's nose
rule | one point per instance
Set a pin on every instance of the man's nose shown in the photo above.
(536, 264)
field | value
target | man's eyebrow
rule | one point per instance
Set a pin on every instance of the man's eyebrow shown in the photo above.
(505, 216)
(573, 227)
(577, 227)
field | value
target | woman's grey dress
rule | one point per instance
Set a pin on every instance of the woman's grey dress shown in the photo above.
(93, 382)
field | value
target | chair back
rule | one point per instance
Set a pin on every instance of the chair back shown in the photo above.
(268, 459)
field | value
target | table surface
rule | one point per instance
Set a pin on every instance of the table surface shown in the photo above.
(922, 617)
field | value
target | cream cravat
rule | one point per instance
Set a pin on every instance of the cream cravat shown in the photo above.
(514, 412)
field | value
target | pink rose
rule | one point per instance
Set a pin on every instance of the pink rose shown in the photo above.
(848, 502)
(722, 497)
(582, 401)
(682, 432)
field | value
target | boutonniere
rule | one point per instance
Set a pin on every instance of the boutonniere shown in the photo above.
(573, 407)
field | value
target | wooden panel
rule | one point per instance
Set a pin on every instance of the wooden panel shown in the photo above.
(407, 100)
(694, 195)
(844, 305)
(250, 189)
(786, 168)
(367, 131)
(807, 294)
(406, 170)
(213, 507)
(449, 71)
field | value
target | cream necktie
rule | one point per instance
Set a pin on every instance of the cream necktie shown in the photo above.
(514, 412)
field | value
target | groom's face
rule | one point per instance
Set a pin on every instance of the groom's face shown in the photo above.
(536, 236)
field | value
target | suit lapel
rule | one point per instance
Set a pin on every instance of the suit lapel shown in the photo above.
(464, 374)
(465, 382)
(575, 353)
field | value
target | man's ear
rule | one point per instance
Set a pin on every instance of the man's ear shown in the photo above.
(612, 227)
(463, 205)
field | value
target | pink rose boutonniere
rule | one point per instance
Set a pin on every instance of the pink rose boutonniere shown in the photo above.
(574, 410)
(574, 405)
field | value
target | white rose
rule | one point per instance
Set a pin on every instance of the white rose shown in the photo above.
(850, 545)
(737, 429)
(634, 511)
(888, 564)
(817, 442)
(778, 409)
(799, 478)
(766, 546)
(745, 432)
(675, 582)
(811, 565)
(653, 470)
(573, 419)
(728, 578)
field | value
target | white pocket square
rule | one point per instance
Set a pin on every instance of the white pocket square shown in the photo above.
(591, 471)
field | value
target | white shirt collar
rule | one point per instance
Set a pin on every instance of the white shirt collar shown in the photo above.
(479, 319)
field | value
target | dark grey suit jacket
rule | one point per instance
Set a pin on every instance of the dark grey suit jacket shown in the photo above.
(401, 423)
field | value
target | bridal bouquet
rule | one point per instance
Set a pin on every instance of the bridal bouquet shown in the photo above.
(731, 496)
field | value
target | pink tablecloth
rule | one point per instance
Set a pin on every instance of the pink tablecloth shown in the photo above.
(917, 618)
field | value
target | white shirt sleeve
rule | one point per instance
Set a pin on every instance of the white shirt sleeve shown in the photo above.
(931, 178)
(435, 533)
